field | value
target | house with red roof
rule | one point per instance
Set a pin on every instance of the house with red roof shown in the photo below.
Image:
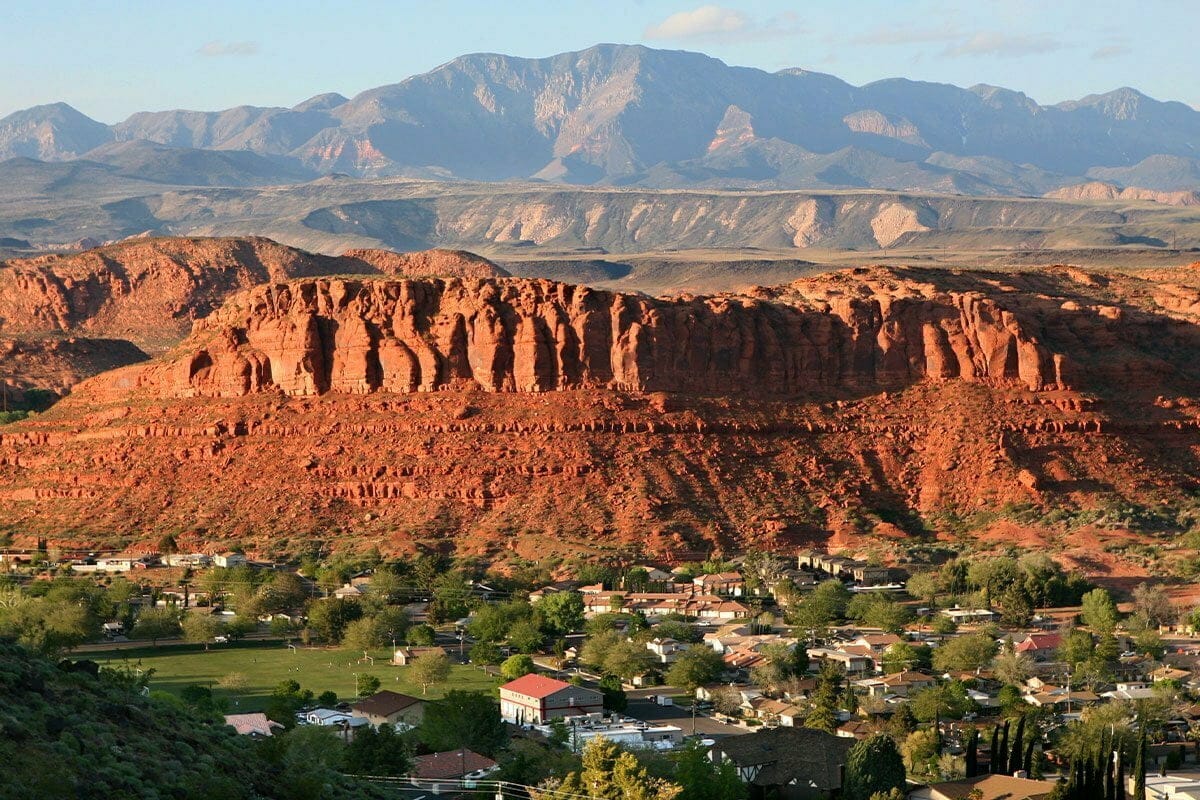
(536, 699)
(1039, 646)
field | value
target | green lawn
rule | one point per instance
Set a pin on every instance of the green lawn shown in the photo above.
(265, 664)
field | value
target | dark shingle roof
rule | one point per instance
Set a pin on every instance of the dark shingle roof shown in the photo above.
(384, 703)
(803, 755)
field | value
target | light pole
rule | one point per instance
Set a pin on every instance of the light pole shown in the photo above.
(355, 674)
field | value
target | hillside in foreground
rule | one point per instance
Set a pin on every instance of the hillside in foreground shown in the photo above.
(486, 415)
(69, 734)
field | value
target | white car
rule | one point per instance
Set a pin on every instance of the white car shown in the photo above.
(221, 639)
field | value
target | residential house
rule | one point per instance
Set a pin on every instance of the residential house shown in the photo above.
(350, 591)
(1168, 673)
(878, 642)
(229, 560)
(193, 560)
(899, 684)
(1060, 699)
(1131, 691)
(666, 649)
(252, 724)
(403, 656)
(854, 664)
(771, 711)
(1039, 646)
(969, 615)
(399, 710)
(985, 787)
(723, 583)
(536, 699)
(856, 729)
(331, 717)
(442, 773)
(787, 762)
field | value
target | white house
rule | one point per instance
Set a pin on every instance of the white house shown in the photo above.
(229, 560)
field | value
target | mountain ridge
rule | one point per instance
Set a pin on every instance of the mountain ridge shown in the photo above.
(600, 116)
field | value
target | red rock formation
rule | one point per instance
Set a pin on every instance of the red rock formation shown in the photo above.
(422, 264)
(491, 414)
(338, 335)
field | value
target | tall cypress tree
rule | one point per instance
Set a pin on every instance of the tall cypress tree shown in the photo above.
(1110, 775)
(994, 759)
(1027, 763)
(1002, 767)
(972, 756)
(1015, 750)
(1139, 768)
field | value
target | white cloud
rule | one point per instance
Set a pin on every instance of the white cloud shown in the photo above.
(711, 22)
(1003, 45)
(216, 49)
(700, 22)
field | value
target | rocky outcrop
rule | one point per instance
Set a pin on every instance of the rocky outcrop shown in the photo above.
(357, 336)
(435, 263)
(1098, 190)
(493, 414)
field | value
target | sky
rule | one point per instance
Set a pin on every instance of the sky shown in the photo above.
(110, 59)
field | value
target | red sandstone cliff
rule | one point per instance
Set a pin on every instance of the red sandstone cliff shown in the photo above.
(858, 329)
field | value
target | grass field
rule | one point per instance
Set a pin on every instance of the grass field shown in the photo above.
(265, 664)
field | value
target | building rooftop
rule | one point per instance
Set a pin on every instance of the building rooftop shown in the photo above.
(384, 704)
(537, 686)
(450, 764)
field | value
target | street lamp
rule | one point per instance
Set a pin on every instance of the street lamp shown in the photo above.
(355, 674)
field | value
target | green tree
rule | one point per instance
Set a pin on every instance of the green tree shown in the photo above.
(701, 779)
(199, 627)
(824, 605)
(155, 624)
(525, 636)
(921, 750)
(429, 668)
(945, 701)
(964, 653)
(561, 612)
(823, 703)
(608, 773)
(695, 667)
(485, 653)
(924, 586)
(628, 660)
(329, 617)
(464, 719)
(377, 752)
(420, 636)
(902, 723)
(1099, 612)
(361, 635)
(366, 684)
(873, 765)
(597, 646)
(613, 692)
(1012, 667)
(516, 666)
(903, 656)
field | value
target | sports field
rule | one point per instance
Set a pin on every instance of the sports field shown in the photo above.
(265, 664)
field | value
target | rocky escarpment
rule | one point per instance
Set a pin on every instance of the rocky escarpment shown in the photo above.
(312, 337)
(66, 317)
(542, 418)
